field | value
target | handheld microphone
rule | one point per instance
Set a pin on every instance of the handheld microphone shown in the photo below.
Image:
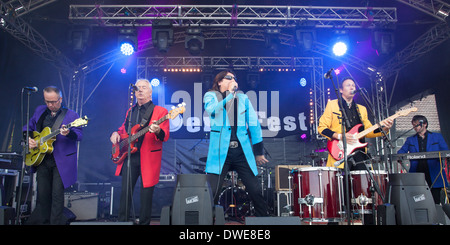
(31, 89)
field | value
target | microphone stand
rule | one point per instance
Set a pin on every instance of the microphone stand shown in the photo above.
(344, 119)
(24, 153)
(128, 176)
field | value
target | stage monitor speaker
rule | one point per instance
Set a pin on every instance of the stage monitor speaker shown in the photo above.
(386, 214)
(282, 173)
(7, 215)
(291, 220)
(192, 201)
(84, 205)
(411, 196)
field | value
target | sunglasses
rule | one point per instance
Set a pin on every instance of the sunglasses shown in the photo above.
(229, 77)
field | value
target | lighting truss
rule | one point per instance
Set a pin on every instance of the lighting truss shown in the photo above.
(233, 15)
(436, 8)
(22, 7)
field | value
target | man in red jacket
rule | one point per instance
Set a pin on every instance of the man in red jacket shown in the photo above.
(146, 161)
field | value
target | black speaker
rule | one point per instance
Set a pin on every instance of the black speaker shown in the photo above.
(192, 202)
(386, 214)
(291, 220)
(7, 215)
(411, 196)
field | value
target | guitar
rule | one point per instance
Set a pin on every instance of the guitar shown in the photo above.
(45, 139)
(336, 149)
(120, 149)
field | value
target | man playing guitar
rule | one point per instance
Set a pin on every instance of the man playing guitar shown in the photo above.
(58, 169)
(330, 123)
(146, 161)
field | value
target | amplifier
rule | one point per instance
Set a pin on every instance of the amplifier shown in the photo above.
(84, 205)
(282, 173)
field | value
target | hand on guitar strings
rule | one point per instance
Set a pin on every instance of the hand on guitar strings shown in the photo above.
(154, 128)
(115, 138)
(64, 130)
(32, 143)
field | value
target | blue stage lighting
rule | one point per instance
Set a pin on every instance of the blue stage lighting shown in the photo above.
(127, 48)
(155, 82)
(302, 82)
(339, 48)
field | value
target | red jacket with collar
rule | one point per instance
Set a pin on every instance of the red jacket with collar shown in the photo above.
(151, 149)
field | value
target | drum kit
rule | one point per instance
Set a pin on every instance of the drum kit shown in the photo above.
(318, 193)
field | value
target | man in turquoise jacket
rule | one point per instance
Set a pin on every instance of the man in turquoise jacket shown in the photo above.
(232, 119)
(423, 141)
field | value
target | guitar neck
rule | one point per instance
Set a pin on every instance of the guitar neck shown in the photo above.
(53, 134)
(368, 130)
(146, 129)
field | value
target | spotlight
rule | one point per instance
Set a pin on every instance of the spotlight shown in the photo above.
(127, 41)
(305, 39)
(162, 35)
(155, 82)
(339, 48)
(383, 41)
(194, 42)
(302, 82)
(123, 70)
(272, 39)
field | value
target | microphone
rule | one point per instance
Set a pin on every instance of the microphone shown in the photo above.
(135, 88)
(234, 89)
(328, 74)
(31, 89)
(356, 91)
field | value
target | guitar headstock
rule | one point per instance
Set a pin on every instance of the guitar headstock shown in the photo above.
(180, 109)
(80, 122)
(406, 111)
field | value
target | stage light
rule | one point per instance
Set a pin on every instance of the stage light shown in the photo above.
(127, 41)
(155, 82)
(123, 70)
(272, 39)
(383, 41)
(339, 48)
(305, 38)
(162, 35)
(126, 48)
(302, 82)
(194, 42)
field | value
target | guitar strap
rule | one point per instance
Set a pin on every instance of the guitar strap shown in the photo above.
(59, 119)
(148, 114)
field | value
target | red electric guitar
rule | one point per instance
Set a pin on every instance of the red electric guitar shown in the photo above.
(336, 148)
(120, 150)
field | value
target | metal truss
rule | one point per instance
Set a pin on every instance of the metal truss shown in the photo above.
(22, 7)
(422, 45)
(436, 8)
(233, 15)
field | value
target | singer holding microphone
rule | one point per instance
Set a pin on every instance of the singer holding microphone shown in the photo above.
(232, 119)
(424, 141)
(330, 123)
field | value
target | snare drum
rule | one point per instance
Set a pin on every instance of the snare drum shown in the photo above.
(317, 193)
(361, 190)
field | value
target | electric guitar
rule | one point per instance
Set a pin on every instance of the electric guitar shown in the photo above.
(336, 147)
(120, 149)
(45, 139)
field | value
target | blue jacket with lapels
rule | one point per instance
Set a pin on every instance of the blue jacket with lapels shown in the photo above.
(435, 142)
(247, 122)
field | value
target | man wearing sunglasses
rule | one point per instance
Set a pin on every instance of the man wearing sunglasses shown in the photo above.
(58, 170)
(233, 120)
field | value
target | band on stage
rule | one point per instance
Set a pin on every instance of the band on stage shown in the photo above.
(236, 149)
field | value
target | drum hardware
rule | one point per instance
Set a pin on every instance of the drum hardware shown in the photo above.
(314, 197)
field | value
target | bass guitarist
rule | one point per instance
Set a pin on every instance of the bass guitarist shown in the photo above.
(57, 170)
(146, 161)
(330, 123)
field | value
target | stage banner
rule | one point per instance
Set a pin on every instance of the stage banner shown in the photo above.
(282, 100)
